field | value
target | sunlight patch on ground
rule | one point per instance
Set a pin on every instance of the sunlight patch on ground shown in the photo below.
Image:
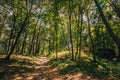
(60, 54)
(84, 56)
(22, 57)
(18, 78)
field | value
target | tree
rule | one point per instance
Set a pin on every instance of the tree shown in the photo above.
(23, 25)
(70, 28)
(107, 25)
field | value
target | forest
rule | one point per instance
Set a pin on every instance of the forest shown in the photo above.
(59, 39)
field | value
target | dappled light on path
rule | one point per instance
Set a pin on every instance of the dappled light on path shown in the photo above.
(34, 69)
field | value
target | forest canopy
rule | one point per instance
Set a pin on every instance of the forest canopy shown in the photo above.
(49, 26)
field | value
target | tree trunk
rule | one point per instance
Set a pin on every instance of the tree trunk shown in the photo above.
(90, 36)
(16, 40)
(23, 44)
(56, 27)
(115, 8)
(80, 32)
(110, 31)
(70, 30)
(11, 34)
(32, 42)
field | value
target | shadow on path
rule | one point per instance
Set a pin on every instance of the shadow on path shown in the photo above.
(25, 69)
(22, 68)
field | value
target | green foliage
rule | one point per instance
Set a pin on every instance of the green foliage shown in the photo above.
(47, 28)
(61, 63)
(99, 70)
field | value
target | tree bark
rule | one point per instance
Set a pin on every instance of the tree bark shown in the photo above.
(70, 30)
(56, 27)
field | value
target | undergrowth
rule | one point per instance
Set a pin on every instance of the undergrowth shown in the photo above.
(101, 69)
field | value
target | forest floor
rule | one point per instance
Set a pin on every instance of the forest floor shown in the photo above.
(34, 68)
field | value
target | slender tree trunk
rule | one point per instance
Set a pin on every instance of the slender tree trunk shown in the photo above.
(18, 47)
(10, 42)
(49, 47)
(42, 50)
(23, 44)
(98, 33)
(11, 34)
(80, 34)
(77, 34)
(107, 25)
(16, 40)
(70, 30)
(56, 27)
(37, 44)
(67, 42)
(32, 42)
(115, 8)
(90, 36)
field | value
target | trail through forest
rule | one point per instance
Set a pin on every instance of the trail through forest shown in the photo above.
(35, 69)
(48, 73)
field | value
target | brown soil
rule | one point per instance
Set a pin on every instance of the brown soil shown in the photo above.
(37, 69)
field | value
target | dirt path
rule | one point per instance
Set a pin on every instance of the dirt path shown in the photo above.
(39, 69)
(43, 71)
